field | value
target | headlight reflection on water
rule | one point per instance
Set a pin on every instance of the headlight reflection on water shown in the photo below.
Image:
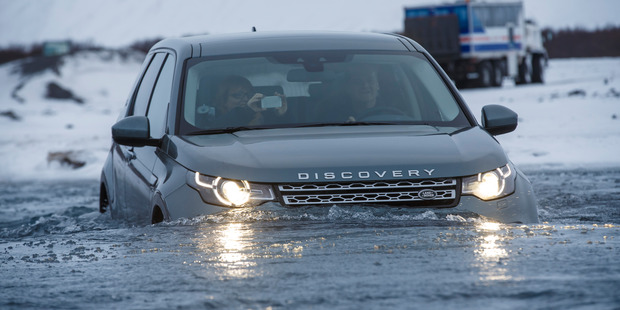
(235, 250)
(233, 242)
(491, 254)
(489, 226)
(226, 248)
(490, 249)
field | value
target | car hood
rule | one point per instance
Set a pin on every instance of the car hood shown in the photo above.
(340, 153)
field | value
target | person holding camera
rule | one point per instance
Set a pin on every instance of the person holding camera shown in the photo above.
(236, 104)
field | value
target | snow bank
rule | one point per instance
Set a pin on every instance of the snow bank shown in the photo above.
(571, 121)
(48, 126)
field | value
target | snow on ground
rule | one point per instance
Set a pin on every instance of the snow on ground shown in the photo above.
(51, 125)
(571, 121)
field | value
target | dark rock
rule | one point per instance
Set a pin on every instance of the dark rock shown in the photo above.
(67, 158)
(55, 91)
(10, 114)
(36, 65)
(14, 94)
(577, 92)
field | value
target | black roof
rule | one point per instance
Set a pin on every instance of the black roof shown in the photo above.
(253, 42)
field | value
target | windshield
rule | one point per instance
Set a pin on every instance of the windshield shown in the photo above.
(319, 88)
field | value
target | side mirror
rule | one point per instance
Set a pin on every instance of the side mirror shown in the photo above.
(497, 119)
(133, 131)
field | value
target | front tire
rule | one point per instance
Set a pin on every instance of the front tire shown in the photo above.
(158, 215)
(525, 72)
(485, 74)
(498, 73)
(538, 69)
(104, 202)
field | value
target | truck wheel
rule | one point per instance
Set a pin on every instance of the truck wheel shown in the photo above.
(525, 72)
(538, 69)
(461, 84)
(498, 74)
(485, 74)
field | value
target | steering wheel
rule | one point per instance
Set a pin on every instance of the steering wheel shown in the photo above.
(378, 113)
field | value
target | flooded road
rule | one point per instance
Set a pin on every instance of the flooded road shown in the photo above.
(58, 252)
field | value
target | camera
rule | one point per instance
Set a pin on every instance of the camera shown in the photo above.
(271, 102)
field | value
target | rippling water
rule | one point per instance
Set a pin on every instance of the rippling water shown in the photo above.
(57, 251)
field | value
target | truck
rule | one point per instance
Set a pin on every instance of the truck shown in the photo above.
(479, 43)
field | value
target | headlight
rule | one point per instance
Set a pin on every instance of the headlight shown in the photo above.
(233, 193)
(492, 184)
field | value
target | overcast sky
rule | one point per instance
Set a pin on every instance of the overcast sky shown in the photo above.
(571, 13)
(121, 22)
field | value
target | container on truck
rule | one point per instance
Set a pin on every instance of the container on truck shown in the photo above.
(479, 43)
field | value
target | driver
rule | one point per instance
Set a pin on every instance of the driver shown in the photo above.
(360, 92)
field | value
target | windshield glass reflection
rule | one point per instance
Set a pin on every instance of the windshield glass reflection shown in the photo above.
(277, 90)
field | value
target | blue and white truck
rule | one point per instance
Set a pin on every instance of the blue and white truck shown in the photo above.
(479, 43)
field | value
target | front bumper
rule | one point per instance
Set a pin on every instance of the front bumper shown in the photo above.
(519, 207)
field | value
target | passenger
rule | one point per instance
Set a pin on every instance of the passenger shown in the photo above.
(236, 104)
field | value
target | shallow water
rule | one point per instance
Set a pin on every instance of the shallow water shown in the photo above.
(57, 251)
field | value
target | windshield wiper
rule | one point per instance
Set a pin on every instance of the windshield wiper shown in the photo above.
(224, 130)
(346, 124)
(244, 128)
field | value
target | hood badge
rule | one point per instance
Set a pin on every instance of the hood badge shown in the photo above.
(381, 174)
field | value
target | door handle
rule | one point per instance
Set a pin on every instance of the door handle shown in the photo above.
(132, 154)
(129, 154)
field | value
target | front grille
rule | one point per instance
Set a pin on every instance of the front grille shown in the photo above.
(435, 193)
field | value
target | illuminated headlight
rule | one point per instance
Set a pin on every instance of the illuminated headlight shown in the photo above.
(232, 193)
(492, 184)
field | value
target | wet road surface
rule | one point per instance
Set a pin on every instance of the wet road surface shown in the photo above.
(58, 252)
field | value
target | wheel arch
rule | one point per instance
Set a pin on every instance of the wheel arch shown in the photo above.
(159, 209)
(106, 192)
(104, 198)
